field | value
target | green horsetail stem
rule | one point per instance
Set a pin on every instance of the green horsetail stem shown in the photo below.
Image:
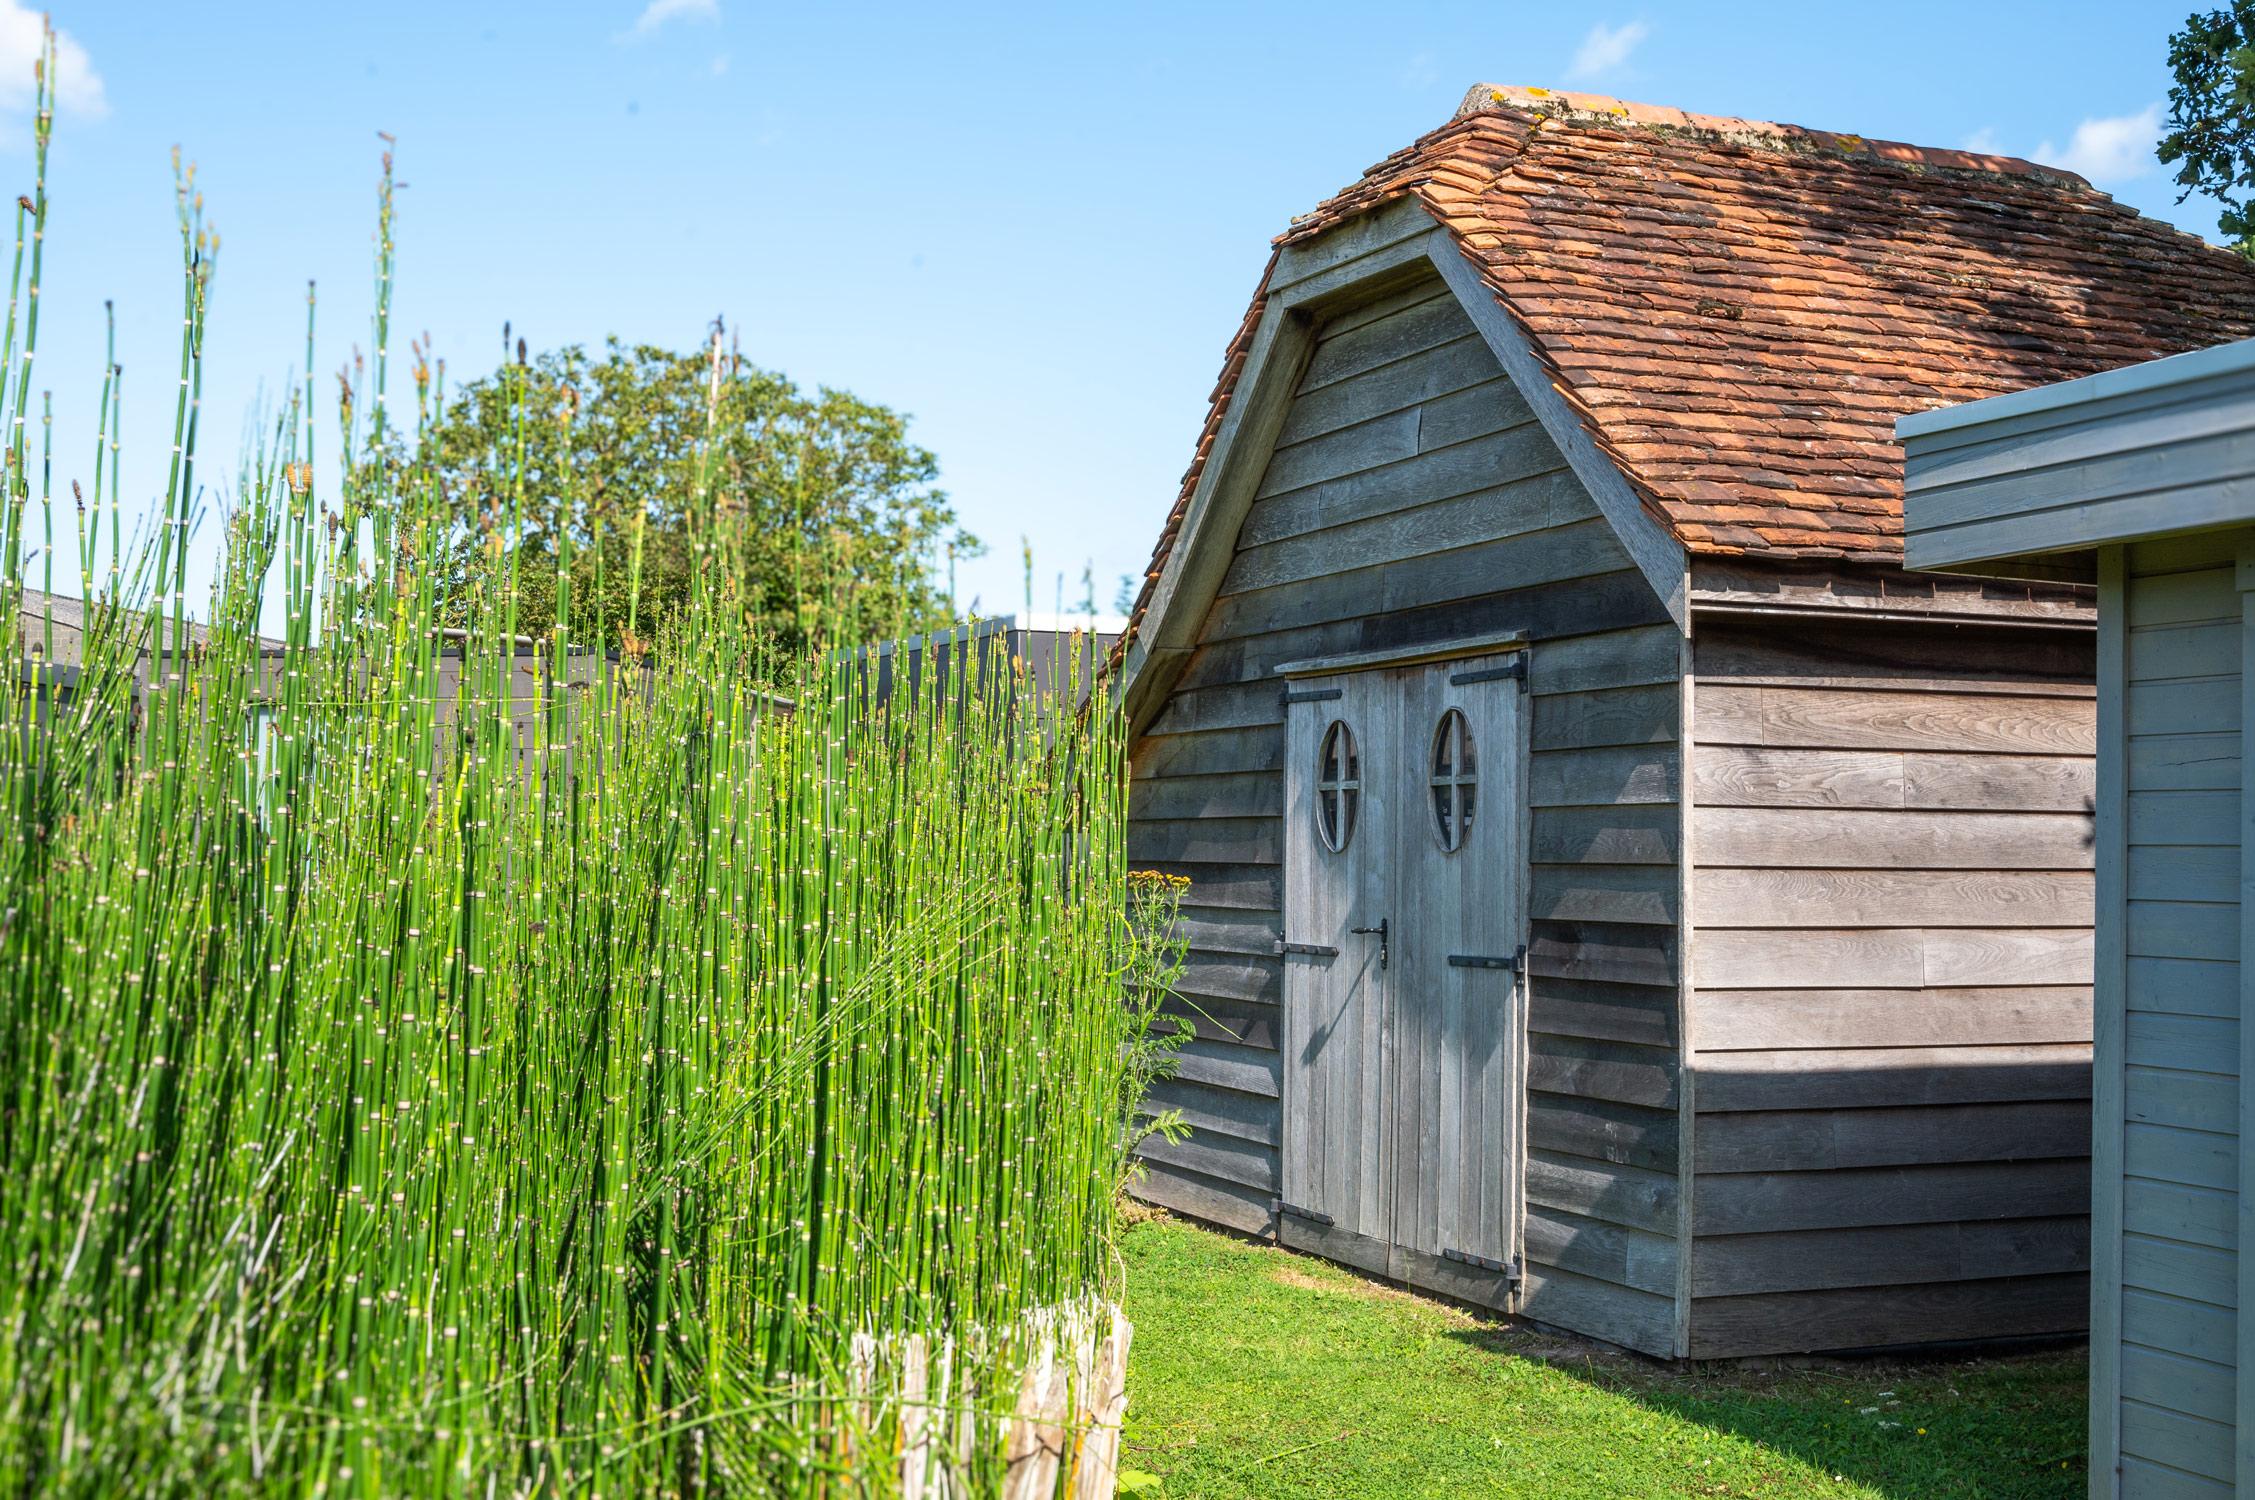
(437, 1062)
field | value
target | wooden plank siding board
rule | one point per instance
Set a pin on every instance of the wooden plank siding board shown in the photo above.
(1413, 499)
(1890, 1006)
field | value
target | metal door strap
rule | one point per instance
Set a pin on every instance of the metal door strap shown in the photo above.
(1514, 666)
(1298, 1212)
(1486, 961)
(1312, 950)
(1313, 695)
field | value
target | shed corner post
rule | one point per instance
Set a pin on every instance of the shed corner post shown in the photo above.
(2109, 1023)
(2243, 1437)
(1687, 1116)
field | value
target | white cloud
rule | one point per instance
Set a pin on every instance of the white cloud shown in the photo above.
(2114, 149)
(720, 65)
(78, 88)
(658, 12)
(1606, 48)
(1984, 141)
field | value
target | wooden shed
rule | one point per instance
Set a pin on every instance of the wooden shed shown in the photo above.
(2139, 479)
(1621, 893)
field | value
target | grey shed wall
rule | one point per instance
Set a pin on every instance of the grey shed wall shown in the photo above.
(1413, 497)
(1891, 958)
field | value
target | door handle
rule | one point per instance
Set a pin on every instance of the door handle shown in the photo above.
(1380, 930)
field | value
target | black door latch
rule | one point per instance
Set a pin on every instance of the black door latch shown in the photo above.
(1380, 929)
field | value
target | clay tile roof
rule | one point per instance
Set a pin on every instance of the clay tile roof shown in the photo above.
(1739, 311)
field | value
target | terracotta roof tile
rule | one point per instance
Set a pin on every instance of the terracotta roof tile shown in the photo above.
(1739, 311)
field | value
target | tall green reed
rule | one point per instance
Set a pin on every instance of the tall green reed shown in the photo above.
(444, 1062)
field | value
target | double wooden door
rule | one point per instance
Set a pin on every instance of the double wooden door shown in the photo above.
(1403, 1028)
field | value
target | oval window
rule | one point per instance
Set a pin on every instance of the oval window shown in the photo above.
(1455, 780)
(1338, 786)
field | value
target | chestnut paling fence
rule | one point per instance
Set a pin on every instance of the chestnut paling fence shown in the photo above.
(539, 1072)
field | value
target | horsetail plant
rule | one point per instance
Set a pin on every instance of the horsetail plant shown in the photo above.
(443, 1062)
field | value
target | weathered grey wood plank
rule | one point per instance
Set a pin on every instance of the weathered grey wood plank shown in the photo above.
(1602, 1132)
(1741, 1203)
(1894, 1077)
(1823, 1140)
(1888, 1255)
(1604, 893)
(1828, 838)
(1619, 1315)
(1883, 1317)
(1614, 716)
(1406, 382)
(1201, 1197)
(1606, 776)
(1583, 549)
(1636, 835)
(1958, 722)
(1369, 528)
(1607, 1191)
(1728, 897)
(1587, 1068)
(1782, 1019)
(1609, 952)
(1222, 752)
(1899, 957)
(1230, 794)
(1604, 1252)
(1880, 657)
(1642, 1014)
(1245, 1164)
(1229, 841)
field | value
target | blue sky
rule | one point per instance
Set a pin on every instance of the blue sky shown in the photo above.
(1031, 228)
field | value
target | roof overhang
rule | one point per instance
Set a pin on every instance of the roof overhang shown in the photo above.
(1365, 257)
(2033, 481)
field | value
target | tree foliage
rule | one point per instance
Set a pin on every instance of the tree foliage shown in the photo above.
(842, 519)
(2211, 135)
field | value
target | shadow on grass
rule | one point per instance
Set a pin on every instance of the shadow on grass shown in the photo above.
(1996, 1427)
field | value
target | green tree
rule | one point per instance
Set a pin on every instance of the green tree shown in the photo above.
(2211, 135)
(842, 526)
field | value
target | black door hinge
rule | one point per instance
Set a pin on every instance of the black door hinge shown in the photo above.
(1508, 1270)
(1311, 950)
(1297, 1212)
(1312, 695)
(1514, 665)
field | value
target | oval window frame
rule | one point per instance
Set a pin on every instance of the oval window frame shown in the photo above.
(1459, 783)
(1337, 831)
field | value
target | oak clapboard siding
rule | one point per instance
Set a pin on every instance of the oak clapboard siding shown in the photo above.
(1891, 890)
(1411, 498)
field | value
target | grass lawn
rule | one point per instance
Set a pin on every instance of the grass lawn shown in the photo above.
(1260, 1373)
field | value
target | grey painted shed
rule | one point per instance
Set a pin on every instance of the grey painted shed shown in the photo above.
(1621, 893)
(2144, 480)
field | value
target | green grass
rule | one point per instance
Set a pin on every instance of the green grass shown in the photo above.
(1260, 1373)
